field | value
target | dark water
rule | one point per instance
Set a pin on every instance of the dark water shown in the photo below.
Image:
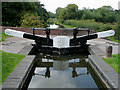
(69, 71)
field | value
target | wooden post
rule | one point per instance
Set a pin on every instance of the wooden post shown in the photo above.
(109, 51)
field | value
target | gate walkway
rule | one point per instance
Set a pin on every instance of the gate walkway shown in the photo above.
(15, 44)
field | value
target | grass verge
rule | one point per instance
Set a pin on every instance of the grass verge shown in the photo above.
(9, 62)
(68, 26)
(112, 38)
(114, 62)
(3, 36)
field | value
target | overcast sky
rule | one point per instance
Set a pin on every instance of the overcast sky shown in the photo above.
(52, 5)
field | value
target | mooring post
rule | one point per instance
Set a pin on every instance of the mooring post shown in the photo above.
(109, 50)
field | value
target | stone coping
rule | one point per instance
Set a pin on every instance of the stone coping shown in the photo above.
(26, 50)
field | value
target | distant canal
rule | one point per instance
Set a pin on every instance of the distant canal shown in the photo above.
(66, 71)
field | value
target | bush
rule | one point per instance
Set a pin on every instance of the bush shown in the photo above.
(32, 21)
(90, 24)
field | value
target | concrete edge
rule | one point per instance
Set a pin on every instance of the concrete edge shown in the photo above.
(30, 68)
(26, 50)
(104, 71)
(95, 50)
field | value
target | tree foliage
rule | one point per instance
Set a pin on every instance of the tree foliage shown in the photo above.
(117, 34)
(66, 13)
(42, 11)
(71, 11)
(51, 15)
(13, 11)
(104, 14)
(32, 21)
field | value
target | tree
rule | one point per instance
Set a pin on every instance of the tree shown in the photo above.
(62, 15)
(117, 31)
(105, 14)
(79, 14)
(72, 7)
(13, 11)
(71, 10)
(29, 20)
(42, 11)
(51, 15)
(58, 12)
(88, 14)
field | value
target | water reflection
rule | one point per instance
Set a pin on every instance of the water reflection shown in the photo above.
(61, 65)
(62, 72)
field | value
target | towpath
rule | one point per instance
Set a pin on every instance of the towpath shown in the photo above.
(103, 43)
(14, 44)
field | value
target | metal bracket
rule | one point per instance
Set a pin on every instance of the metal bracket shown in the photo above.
(75, 31)
(47, 35)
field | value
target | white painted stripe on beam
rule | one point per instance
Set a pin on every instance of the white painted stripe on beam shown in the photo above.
(14, 33)
(106, 33)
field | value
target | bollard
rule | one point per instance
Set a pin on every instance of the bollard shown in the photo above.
(109, 51)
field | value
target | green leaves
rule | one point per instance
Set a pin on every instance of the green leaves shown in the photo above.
(66, 13)
(13, 11)
(32, 21)
(104, 14)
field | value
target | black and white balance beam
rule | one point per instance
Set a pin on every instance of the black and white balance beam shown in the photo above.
(60, 41)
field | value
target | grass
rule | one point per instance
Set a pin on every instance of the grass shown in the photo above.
(112, 38)
(68, 26)
(114, 62)
(9, 62)
(3, 36)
